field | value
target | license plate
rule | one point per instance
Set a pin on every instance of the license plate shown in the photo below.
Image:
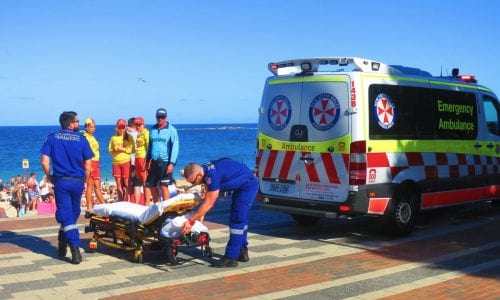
(279, 188)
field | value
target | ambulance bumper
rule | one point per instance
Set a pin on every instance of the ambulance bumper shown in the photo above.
(298, 211)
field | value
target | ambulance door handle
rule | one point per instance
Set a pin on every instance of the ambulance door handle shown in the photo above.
(477, 146)
(490, 146)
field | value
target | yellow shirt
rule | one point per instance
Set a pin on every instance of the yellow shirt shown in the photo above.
(94, 145)
(142, 143)
(120, 156)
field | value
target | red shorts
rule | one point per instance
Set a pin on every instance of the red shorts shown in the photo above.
(140, 167)
(122, 170)
(95, 173)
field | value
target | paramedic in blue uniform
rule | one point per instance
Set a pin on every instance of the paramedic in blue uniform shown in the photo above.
(226, 175)
(161, 157)
(70, 155)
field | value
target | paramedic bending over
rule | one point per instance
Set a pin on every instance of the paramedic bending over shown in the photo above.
(71, 156)
(221, 176)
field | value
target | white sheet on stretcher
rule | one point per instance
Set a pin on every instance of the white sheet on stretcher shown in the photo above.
(172, 228)
(137, 212)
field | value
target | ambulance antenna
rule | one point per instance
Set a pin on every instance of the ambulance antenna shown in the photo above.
(441, 75)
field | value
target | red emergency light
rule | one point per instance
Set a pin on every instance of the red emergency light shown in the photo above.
(468, 78)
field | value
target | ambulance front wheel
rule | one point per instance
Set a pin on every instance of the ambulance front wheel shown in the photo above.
(304, 220)
(403, 213)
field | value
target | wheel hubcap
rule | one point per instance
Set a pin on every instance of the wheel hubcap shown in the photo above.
(404, 212)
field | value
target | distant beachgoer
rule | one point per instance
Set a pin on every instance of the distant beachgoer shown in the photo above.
(70, 155)
(134, 189)
(226, 175)
(17, 199)
(51, 198)
(94, 180)
(33, 191)
(121, 145)
(45, 188)
(141, 151)
(162, 157)
(2, 187)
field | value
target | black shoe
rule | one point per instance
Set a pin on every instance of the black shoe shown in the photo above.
(225, 262)
(62, 249)
(243, 255)
(62, 246)
(76, 256)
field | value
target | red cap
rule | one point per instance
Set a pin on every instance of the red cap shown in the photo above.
(139, 121)
(121, 123)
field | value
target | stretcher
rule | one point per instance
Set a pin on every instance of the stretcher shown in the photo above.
(134, 227)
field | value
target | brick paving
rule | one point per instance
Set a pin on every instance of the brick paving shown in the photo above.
(447, 261)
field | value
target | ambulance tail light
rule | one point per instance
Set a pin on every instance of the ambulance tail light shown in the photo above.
(468, 78)
(357, 163)
(345, 208)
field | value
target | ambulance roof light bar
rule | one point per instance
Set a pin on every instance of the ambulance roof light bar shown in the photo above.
(297, 66)
(465, 78)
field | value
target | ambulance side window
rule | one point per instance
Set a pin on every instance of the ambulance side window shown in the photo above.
(492, 114)
(400, 112)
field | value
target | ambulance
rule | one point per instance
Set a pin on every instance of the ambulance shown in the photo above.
(352, 136)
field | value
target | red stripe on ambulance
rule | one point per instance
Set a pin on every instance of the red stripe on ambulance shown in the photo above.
(270, 163)
(430, 200)
(331, 171)
(287, 163)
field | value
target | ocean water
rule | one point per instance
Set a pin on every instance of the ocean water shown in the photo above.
(198, 143)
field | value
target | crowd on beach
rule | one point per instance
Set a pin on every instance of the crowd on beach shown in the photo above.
(25, 193)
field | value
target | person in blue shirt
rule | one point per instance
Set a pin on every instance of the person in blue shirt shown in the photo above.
(226, 175)
(70, 155)
(161, 157)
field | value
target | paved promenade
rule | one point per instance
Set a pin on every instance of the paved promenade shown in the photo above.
(452, 255)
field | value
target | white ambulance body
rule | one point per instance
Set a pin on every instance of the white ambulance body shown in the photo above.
(346, 135)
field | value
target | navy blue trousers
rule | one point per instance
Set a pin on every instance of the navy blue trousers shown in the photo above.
(68, 193)
(241, 204)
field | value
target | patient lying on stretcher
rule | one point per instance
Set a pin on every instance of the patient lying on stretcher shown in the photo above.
(171, 228)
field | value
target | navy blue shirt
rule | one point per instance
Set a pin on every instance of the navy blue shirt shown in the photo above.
(225, 175)
(67, 151)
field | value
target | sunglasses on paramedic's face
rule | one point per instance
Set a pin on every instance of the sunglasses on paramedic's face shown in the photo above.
(161, 117)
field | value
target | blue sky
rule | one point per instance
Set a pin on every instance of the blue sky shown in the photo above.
(206, 61)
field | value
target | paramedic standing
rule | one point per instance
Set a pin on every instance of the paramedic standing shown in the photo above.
(226, 175)
(70, 155)
(161, 157)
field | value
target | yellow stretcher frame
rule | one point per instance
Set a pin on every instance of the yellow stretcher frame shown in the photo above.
(129, 235)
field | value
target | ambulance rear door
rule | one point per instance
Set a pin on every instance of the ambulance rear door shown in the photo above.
(304, 138)
(280, 110)
(324, 159)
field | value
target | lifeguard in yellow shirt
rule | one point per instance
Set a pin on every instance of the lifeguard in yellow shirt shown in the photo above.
(121, 145)
(94, 180)
(141, 150)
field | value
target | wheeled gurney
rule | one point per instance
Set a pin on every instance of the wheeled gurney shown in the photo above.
(135, 227)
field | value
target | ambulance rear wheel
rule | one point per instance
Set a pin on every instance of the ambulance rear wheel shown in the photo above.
(304, 220)
(403, 213)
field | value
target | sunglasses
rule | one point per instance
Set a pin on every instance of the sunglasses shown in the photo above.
(161, 117)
